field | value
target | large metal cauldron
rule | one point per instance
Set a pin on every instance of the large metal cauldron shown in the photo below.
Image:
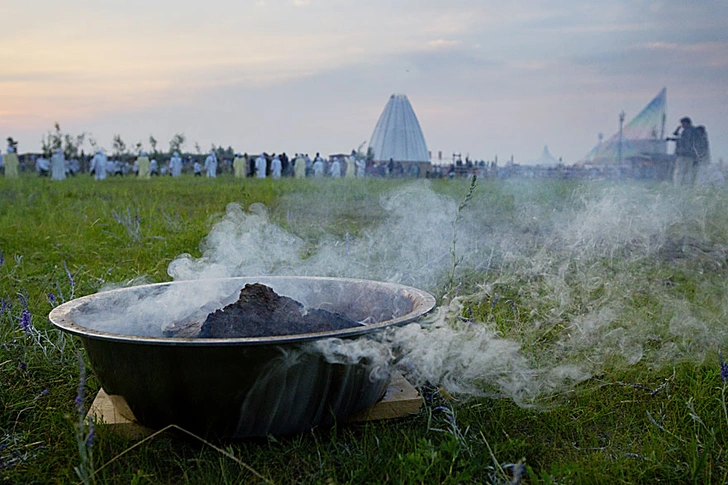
(242, 387)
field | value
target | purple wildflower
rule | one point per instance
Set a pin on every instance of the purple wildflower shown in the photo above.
(26, 322)
(2, 258)
(51, 298)
(22, 365)
(723, 368)
(5, 305)
(519, 470)
(448, 413)
(44, 392)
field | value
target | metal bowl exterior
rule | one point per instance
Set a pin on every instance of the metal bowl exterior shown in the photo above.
(237, 388)
(232, 391)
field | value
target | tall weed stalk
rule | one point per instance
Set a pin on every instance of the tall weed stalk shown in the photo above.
(456, 260)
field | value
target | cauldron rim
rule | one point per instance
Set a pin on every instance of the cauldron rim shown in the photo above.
(62, 315)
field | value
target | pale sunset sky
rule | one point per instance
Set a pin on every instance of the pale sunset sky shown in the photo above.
(485, 78)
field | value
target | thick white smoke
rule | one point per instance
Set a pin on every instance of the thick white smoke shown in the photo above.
(551, 291)
(411, 246)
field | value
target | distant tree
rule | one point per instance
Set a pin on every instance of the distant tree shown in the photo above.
(221, 152)
(176, 143)
(153, 144)
(138, 147)
(92, 142)
(197, 148)
(72, 145)
(119, 147)
(52, 140)
(69, 144)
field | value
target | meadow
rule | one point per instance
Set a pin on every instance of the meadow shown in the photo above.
(578, 336)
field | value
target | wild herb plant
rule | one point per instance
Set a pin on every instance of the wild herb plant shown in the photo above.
(458, 213)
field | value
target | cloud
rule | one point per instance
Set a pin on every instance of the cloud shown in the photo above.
(699, 63)
(442, 43)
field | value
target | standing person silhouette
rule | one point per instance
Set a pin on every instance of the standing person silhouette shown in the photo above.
(686, 158)
(11, 163)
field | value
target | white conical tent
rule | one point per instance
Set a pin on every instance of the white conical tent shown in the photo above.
(398, 135)
(546, 160)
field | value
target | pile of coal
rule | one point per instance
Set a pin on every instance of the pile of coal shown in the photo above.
(261, 312)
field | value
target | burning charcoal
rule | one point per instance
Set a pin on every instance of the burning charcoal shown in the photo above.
(261, 312)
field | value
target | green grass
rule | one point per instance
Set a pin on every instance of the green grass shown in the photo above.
(624, 282)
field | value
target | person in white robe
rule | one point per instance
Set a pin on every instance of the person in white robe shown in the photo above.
(361, 167)
(175, 165)
(299, 167)
(318, 167)
(336, 168)
(260, 166)
(58, 165)
(42, 166)
(98, 165)
(153, 167)
(74, 167)
(240, 164)
(309, 165)
(211, 165)
(11, 163)
(276, 167)
(142, 164)
(351, 165)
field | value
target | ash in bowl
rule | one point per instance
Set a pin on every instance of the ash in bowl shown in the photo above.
(261, 312)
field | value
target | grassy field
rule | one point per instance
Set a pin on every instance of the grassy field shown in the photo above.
(577, 338)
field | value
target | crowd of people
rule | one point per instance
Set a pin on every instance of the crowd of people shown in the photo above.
(690, 159)
(242, 165)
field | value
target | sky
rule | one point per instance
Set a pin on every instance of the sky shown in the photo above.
(485, 78)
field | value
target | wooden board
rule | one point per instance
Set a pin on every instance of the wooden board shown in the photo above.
(401, 399)
(114, 411)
